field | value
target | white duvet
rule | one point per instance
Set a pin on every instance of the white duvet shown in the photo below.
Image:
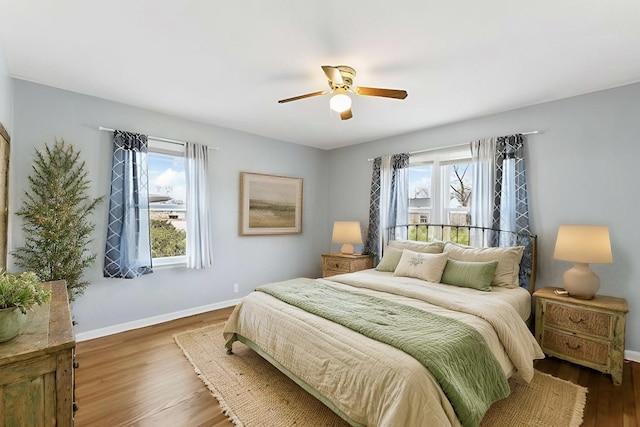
(372, 383)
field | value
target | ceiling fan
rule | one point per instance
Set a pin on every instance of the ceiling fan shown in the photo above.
(341, 81)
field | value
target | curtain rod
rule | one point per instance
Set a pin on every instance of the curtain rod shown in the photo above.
(158, 138)
(533, 132)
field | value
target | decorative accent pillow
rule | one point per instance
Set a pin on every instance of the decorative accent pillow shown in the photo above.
(508, 260)
(467, 274)
(420, 265)
(415, 246)
(390, 259)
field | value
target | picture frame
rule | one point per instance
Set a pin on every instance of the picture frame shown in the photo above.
(4, 194)
(270, 204)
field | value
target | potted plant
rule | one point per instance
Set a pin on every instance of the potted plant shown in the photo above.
(19, 292)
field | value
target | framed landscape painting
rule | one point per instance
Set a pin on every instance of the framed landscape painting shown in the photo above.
(270, 204)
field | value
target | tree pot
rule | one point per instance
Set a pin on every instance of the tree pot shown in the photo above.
(12, 323)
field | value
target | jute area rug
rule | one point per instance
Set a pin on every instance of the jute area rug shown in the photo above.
(252, 392)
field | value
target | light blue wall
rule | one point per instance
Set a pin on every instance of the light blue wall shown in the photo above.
(582, 169)
(43, 114)
(6, 93)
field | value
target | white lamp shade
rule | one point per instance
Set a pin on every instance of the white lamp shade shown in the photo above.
(584, 244)
(346, 232)
(340, 102)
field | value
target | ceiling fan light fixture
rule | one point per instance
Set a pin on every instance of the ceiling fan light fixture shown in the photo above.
(340, 102)
(340, 80)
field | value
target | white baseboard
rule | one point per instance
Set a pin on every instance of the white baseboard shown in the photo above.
(632, 355)
(149, 321)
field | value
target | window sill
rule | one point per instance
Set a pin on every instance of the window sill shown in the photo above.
(169, 262)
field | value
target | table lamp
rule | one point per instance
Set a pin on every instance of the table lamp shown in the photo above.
(347, 233)
(582, 245)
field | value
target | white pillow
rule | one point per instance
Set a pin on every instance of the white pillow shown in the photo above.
(508, 260)
(434, 247)
(421, 265)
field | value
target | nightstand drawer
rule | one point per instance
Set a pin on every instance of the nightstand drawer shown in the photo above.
(333, 264)
(575, 347)
(578, 319)
(338, 265)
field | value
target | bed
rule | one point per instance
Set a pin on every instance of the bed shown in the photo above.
(386, 347)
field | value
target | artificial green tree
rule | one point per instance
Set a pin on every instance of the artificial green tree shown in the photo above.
(56, 212)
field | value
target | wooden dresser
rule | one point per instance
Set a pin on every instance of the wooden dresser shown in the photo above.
(36, 368)
(333, 264)
(586, 332)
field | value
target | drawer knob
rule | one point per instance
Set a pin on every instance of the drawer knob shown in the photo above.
(576, 347)
(337, 265)
(576, 321)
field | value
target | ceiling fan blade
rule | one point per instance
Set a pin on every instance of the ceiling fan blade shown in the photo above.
(333, 74)
(387, 93)
(308, 95)
(346, 115)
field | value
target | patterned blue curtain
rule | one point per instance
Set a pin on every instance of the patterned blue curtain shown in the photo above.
(511, 205)
(388, 205)
(373, 233)
(128, 250)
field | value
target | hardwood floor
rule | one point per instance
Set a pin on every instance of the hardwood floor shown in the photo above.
(142, 378)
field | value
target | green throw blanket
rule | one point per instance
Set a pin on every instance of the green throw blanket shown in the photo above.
(455, 353)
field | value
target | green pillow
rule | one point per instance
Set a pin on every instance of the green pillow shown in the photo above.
(390, 259)
(469, 274)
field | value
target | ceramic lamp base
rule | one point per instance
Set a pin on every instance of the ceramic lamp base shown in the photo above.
(347, 249)
(581, 282)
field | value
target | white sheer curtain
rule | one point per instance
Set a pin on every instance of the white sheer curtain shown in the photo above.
(482, 197)
(199, 229)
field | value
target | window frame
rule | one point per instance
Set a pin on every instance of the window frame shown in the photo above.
(440, 160)
(445, 209)
(177, 150)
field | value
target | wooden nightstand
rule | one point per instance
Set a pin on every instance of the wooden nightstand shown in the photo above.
(586, 332)
(333, 264)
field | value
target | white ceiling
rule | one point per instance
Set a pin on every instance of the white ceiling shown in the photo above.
(227, 63)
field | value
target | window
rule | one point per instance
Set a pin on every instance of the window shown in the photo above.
(456, 193)
(439, 190)
(420, 191)
(167, 203)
